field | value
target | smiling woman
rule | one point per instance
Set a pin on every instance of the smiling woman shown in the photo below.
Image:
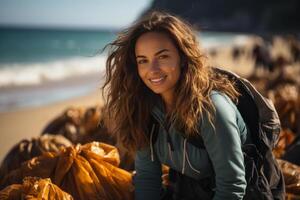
(156, 71)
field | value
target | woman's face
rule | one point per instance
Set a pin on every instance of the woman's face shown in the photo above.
(158, 63)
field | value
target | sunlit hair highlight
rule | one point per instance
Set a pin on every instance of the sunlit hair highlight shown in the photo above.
(129, 101)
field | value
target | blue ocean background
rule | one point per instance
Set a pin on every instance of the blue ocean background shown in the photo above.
(44, 66)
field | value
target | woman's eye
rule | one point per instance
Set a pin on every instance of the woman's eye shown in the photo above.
(141, 61)
(163, 56)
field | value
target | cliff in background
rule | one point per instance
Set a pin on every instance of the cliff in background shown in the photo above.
(256, 16)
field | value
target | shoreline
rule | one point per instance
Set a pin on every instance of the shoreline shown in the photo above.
(17, 98)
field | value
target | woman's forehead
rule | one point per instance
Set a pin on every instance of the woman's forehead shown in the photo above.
(154, 41)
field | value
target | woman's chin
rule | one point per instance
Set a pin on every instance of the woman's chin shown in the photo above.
(156, 90)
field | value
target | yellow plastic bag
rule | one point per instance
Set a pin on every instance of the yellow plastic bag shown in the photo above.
(86, 172)
(34, 188)
(28, 149)
(84, 125)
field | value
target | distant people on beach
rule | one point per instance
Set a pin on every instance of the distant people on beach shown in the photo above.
(262, 57)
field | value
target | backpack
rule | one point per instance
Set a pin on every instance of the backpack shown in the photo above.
(263, 174)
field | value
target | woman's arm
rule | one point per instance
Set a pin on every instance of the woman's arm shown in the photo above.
(147, 180)
(224, 148)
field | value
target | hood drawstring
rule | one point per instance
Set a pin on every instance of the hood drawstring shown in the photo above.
(184, 154)
(170, 152)
(170, 143)
(171, 149)
(186, 157)
(151, 142)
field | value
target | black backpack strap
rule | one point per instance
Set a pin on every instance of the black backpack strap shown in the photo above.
(246, 104)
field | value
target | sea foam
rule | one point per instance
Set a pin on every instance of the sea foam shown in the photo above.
(39, 72)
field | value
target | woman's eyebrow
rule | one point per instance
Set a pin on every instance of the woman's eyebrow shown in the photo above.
(139, 56)
(157, 53)
(161, 51)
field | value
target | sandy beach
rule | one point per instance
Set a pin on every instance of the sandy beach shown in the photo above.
(29, 122)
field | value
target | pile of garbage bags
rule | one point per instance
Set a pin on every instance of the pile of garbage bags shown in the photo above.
(66, 159)
(88, 171)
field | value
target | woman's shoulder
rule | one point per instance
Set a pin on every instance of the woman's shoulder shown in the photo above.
(227, 111)
(225, 108)
(222, 101)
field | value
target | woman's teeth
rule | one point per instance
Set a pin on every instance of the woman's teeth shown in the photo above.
(157, 80)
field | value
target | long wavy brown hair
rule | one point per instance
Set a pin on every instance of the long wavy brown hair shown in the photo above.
(129, 101)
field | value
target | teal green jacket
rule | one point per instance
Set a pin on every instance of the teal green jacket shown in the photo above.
(222, 156)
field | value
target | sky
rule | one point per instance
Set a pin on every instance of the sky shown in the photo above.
(71, 13)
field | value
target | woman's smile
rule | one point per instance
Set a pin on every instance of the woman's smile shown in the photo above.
(158, 80)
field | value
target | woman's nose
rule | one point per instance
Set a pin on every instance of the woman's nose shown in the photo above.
(154, 65)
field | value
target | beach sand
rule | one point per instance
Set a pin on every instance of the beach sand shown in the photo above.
(29, 122)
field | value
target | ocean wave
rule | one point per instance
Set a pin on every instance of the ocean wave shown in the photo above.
(39, 72)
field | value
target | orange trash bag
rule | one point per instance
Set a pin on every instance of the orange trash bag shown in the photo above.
(291, 175)
(34, 188)
(28, 149)
(86, 172)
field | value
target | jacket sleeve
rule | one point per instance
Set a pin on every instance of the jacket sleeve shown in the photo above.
(147, 179)
(223, 145)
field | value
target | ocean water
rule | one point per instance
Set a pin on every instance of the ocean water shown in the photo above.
(36, 65)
